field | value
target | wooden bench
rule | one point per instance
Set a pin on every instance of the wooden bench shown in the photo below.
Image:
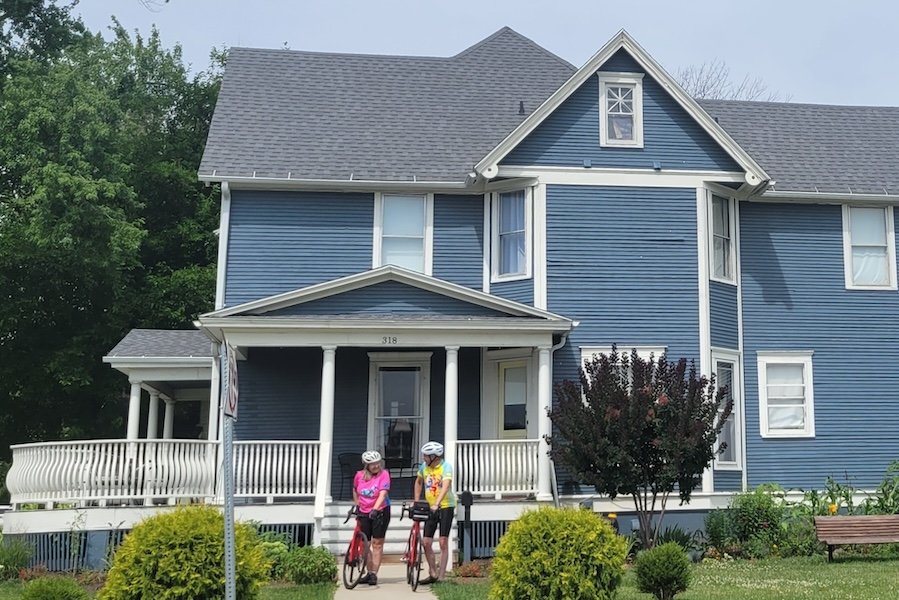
(856, 529)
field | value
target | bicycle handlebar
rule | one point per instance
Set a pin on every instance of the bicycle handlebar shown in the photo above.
(353, 512)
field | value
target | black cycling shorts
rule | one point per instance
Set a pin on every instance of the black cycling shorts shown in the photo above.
(443, 516)
(375, 529)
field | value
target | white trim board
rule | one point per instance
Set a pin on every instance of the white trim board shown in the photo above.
(488, 166)
(223, 238)
(602, 176)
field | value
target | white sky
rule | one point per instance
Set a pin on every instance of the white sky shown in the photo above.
(818, 51)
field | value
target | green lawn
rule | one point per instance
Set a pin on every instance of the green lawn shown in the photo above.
(778, 579)
(13, 591)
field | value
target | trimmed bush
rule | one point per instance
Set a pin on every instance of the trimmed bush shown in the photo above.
(557, 554)
(179, 555)
(54, 588)
(663, 571)
(308, 564)
(15, 555)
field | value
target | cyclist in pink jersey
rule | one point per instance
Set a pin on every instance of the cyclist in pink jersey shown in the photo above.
(371, 486)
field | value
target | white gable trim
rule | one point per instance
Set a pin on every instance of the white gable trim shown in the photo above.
(488, 166)
(380, 275)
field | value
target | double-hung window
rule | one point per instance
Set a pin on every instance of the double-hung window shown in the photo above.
(722, 239)
(403, 231)
(511, 247)
(727, 377)
(621, 109)
(786, 398)
(869, 247)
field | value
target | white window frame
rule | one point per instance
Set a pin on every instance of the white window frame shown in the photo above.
(611, 79)
(733, 358)
(377, 255)
(847, 249)
(801, 357)
(421, 360)
(495, 256)
(732, 233)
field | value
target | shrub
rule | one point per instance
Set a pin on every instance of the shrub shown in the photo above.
(54, 588)
(557, 554)
(663, 571)
(179, 555)
(797, 538)
(679, 536)
(15, 555)
(275, 546)
(308, 564)
(718, 528)
(756, 513)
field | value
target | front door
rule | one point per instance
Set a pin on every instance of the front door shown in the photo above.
(513, 400)
(398, 402)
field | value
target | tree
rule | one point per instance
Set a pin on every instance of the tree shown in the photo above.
(103, 225)
(712, 80)
(640, 428)
(36, 30)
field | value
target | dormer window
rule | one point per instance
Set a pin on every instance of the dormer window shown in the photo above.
(621, 109)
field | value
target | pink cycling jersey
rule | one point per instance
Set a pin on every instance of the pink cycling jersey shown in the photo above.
(368, 490)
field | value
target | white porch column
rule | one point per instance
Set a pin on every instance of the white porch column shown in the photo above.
(544, 423)
(168, 423)
(326, 426)
(134, 411)
(451, 404)
(153, 416)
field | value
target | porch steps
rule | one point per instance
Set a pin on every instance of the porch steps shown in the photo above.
(336, 534)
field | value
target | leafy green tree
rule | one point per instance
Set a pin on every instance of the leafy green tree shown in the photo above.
(103, 225)
(639, 428)
(35, 30)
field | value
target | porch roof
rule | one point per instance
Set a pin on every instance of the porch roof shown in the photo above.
(375, 305)
(163, 355)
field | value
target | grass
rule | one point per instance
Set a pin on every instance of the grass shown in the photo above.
(13, 591)
(776, 579)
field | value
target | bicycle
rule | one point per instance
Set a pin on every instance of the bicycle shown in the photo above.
(418, 512)
(355, 561)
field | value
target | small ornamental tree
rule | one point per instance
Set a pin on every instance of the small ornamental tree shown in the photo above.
(640, 428)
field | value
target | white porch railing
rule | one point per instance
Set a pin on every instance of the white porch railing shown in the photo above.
(276, 469)
(497, 467)
(109, 470)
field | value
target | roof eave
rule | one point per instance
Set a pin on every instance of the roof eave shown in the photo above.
(293, 183)
(488, 166)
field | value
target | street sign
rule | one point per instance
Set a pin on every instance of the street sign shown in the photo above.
(230, 407)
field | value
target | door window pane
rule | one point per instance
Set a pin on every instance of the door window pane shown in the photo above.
(515, 395)
(399, 414)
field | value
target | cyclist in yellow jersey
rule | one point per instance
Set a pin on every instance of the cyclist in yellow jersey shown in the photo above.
(435, 478)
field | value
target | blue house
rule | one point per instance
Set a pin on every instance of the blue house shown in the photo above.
(417, 248)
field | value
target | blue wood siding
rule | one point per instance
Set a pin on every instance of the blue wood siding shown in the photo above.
(521, 290)
(389, 297)
(570, 135)
(728, 481)
(280, 398)
(282, 241)
(724, 323)
(459, 239)
(622, 261)
(794, 298)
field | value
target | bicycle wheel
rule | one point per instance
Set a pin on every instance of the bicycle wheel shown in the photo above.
(355, 560)
(408, 557)
(415, 570)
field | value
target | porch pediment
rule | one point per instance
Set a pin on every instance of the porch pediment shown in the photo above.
(386, 292)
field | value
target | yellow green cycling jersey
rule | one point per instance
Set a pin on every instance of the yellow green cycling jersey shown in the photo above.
(433, 478)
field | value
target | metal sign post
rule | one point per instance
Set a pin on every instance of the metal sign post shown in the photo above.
(229, 408)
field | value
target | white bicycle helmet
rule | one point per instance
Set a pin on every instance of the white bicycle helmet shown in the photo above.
(371, 456)
(433, 448)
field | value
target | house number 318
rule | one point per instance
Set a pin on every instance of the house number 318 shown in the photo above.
(388, 340)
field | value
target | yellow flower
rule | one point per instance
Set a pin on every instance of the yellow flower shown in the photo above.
(833, 509)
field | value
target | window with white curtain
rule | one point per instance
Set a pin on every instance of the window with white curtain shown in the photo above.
(786, 398)
(402, 227)
(511, 247)
(621, 109)
(722, 236)
(869, 247)
(727, 376)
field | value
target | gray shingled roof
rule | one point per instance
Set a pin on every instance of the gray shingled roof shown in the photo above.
(388, 118)
(163, 343)
(811, 147)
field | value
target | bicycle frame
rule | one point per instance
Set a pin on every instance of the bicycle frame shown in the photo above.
(414, 549)
(355, 560)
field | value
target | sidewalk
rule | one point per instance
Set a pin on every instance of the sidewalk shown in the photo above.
(391, 586)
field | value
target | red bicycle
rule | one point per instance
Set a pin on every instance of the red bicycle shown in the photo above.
(355, 561)
(418, 512)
